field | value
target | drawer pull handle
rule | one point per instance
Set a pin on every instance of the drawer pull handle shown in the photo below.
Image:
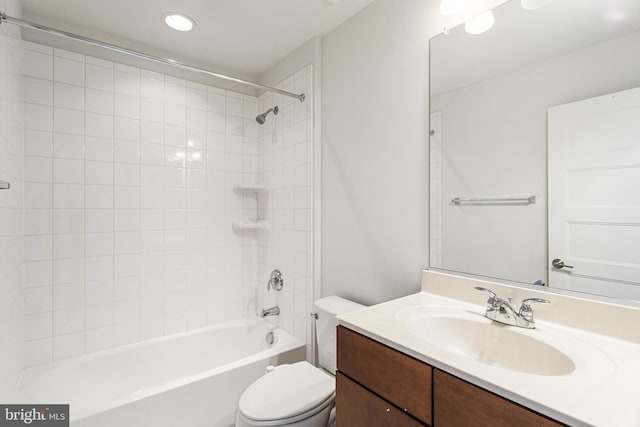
(388, 410)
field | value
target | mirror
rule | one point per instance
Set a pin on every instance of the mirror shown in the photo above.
(535, 148)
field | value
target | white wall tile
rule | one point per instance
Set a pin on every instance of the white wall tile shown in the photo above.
(98, 339)
(99, 101)
(68, 221)
(99, 244)
(38, 91)
(38, 169)
(69, 345)
(98, 61)
(152, 110)
(68, 71)
(100, 149)
(68, 246)
(68, 96)
(68, 171)
(127, 174)
(38, 326)
(127, 106)
(127, 83)
(68, 296)
(99, 77)
(136, 195)
(68, 146)
(126, 197)
(68, 121)
(38, 143)
(98, 197)
(99, 125)
(37, 64)
(127, 129)
(38, 117)
(99, 173)
(70, 270)
(38, 300)
(38, 352)
(38, 221)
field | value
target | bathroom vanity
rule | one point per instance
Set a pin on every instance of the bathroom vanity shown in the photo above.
(433, 359)
(377, 385)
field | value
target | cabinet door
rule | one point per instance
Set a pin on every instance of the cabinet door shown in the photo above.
(358, 407)
(394, 376)
(458, 403)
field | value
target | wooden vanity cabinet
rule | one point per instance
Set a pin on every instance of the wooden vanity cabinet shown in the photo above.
(394, 376)
(458, 403)
(361, 408)
(379, 386)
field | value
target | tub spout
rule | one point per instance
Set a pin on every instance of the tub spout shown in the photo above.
(273, 311)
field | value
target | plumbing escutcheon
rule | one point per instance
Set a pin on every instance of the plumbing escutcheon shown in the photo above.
(276, 281)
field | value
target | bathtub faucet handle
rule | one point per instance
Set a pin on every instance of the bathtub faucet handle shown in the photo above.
(276, 280)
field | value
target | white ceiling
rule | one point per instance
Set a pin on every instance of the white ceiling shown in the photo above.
(243, 37)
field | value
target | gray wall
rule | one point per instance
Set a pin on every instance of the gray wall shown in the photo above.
(374, 155)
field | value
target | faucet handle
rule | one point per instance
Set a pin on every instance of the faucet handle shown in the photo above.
(489, 291)
(525, 308)
(527, 302)
(492, 295)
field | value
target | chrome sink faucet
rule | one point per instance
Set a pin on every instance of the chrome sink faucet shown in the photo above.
(502, 311)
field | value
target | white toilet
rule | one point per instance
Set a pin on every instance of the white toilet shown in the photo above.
(299, 394)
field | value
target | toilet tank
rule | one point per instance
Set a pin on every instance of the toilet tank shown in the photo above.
(327, 309)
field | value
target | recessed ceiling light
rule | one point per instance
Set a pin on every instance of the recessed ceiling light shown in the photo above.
(178, 21)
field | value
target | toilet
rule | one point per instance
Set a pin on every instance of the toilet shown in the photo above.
(299, 394)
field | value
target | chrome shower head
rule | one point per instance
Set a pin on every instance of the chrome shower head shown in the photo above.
(260, 118)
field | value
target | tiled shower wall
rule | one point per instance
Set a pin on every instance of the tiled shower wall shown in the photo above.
(286, 168)
(11, 202)
(129, 202)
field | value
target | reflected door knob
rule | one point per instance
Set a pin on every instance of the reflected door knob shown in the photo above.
(559, 264)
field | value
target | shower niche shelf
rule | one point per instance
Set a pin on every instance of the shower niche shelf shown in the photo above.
(250, 188)
(259, 191)
(257, 225)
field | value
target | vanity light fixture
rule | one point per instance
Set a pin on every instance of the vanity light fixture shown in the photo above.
(451, 7)
(178, 21)
(535, 4)
(481, 23)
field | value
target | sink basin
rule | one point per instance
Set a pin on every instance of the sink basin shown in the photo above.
(475, 337)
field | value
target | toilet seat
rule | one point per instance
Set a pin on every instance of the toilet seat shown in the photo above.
(292, 393)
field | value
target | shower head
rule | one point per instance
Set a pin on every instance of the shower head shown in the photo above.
(260, 118)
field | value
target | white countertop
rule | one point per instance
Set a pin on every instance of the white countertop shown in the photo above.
(603, 390)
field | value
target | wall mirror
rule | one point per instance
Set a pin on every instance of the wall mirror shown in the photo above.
(535, 147)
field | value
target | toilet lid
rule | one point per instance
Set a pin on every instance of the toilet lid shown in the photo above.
(286, 392)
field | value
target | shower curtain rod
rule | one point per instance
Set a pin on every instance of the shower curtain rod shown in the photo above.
(26, 24)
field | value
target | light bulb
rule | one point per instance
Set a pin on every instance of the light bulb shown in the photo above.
(480, 24)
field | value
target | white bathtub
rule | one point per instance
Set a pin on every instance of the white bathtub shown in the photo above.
(192, 379)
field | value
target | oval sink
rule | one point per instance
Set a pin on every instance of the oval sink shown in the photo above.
(474, 337)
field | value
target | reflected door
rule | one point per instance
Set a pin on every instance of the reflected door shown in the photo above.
(594, 195)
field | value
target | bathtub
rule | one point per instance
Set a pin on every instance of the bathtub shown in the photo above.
(189, 379)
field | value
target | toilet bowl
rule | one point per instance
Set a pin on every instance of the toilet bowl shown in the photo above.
(299, 394)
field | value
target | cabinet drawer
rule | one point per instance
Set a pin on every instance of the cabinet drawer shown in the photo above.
(458, 403)
(398, 378)
(357, 407)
